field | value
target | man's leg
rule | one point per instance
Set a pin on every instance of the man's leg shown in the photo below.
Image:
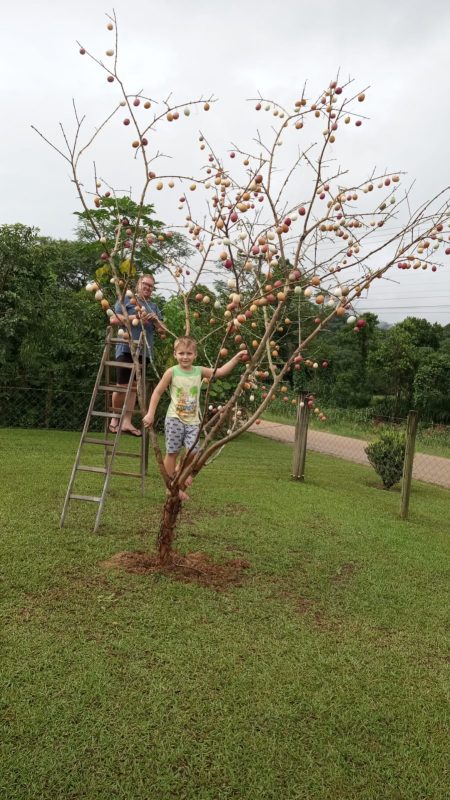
(118, 399)
(117, 402)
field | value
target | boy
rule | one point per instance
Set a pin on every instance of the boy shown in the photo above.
(182, 418)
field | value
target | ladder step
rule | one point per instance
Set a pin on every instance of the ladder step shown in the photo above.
(110, 443)
(111, 414)
(85, 497)
(118, 340)
(84, 468)
(106, 442)
(126, 364)
(128, 474)
(113, 388)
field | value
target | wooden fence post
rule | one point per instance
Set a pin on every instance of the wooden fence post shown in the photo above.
(301, 436)
(411, 430)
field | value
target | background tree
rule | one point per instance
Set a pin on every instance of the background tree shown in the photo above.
(432, 387)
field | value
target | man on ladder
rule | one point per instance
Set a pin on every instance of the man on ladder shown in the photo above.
(149, 316)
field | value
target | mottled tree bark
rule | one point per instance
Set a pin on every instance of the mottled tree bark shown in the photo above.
(166, 535)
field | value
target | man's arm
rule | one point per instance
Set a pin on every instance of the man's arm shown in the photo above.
(120, 319)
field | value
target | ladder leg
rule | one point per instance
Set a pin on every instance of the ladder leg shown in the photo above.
(85, 427)
(110, 456)
(111, 446)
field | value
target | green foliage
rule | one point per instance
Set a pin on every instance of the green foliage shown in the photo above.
(432, 387)
(24, 277)
(393, 365)
(51, 332)
(71, 263)
(422, 332)
(130, 229)
(386, 455)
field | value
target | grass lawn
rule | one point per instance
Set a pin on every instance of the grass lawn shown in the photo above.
(325, 675)
(435, 441)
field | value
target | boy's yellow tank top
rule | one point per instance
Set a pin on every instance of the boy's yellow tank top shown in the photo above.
(185, 395)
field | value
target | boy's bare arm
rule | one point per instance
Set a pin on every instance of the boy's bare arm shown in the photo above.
(158, 391)
(225, 369)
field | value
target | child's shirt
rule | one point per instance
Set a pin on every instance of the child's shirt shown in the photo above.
(185, 395)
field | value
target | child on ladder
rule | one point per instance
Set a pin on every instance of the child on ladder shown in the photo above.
(182, 419)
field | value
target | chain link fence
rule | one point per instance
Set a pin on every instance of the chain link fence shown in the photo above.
(31, 407)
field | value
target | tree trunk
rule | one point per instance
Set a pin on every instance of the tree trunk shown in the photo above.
(166, 533)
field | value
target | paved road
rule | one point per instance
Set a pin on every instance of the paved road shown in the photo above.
(431, 469)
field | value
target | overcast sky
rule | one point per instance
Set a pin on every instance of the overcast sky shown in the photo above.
(232, 50)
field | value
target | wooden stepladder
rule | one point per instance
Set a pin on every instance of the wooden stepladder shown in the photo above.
(110, 444)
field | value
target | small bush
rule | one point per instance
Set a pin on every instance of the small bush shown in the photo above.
(386, 456)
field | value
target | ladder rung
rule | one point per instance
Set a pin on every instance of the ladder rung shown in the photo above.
(127, 364)
(128, 474)
(85, 497)
(113, 388)
(118, 340)
(106, 442)
(111, 414)
(84, 468)
(110, 443)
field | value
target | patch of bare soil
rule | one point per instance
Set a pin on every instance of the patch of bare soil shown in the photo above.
(192, 568)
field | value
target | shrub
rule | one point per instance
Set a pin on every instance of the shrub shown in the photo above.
(386, 456)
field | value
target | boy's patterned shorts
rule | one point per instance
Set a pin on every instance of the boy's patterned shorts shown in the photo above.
(179, 435)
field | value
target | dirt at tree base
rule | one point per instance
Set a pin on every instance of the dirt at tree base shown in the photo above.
(190, 568)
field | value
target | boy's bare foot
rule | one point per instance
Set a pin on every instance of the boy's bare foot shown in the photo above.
(182, 495)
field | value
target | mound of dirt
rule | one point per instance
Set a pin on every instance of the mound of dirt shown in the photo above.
(192, 568)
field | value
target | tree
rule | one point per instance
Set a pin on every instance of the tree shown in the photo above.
(422, 332)
(330, 243)
(24, 281)
(432, 387)
(70, 262)
(393, 367)
(51, 334)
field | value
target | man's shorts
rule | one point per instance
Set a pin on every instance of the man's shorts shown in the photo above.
(179, 435)
(123, 373)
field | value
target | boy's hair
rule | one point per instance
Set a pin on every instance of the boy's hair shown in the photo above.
(186, 341)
